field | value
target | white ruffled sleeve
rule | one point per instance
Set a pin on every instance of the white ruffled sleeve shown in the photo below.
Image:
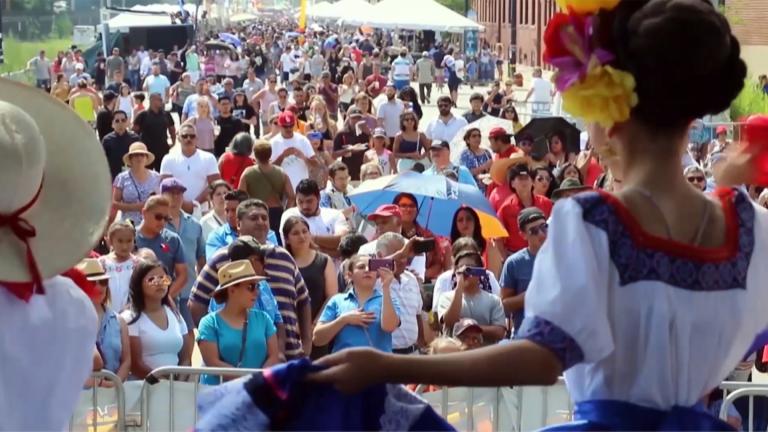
(566, 304)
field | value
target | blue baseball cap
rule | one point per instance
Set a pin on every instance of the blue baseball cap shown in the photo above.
(315, 135)
(172, 184)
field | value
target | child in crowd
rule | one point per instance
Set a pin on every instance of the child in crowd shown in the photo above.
(125, 100)
(138, 104)
(120, 261)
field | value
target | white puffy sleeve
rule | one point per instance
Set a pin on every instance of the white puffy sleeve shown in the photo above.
(566, 304)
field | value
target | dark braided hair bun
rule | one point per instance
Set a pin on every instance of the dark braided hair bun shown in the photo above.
(683, 55)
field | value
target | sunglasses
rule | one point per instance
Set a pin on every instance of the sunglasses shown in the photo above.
(162, 218)
(272, 82)
(159, 280)
(696, 179)
(541, 229)
(188, 136)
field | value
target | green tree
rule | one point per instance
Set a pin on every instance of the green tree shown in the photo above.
(456, 5)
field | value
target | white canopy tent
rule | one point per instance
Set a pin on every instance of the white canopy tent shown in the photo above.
(343, 9)
(422, 15)
(319, 10)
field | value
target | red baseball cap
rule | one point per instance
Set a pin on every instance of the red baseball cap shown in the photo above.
(721, 130)
(286, 119)
(385, 210)
(498, 132)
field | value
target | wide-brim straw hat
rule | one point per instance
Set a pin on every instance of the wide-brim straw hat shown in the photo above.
(55, 178)
(500, 167)
(92, 269)
(138, 148)
(234, 273)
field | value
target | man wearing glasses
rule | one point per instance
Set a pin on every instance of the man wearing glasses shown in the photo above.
(518, 268)
(117, 142)
(153, 234)
(291, 150)
(195, 169)
(446, 126)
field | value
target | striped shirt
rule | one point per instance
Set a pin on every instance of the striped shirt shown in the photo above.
(284, 279)
(407, 292)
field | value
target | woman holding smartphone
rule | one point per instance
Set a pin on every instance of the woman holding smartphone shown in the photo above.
(365, 315)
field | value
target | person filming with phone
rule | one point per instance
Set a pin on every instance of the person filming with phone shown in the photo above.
(366, 314)
(469, 300)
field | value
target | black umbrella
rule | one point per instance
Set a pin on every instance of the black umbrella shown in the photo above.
(541, 128)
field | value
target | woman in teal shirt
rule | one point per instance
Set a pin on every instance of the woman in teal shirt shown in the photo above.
(237, 336)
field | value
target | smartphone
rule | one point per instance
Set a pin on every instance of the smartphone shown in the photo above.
(376, 263)
(424, 246)
(474, 271)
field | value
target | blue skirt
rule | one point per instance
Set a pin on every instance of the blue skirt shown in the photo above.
(601, 415)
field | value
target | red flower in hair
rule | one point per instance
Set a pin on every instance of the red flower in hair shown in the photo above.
(757, 139)
(553, 41)
(165, 247)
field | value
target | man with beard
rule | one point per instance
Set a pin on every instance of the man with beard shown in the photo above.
(326, 225)
(446, 126)
(389, 112)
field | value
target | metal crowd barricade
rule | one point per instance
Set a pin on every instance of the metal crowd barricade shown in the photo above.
(171, 372)
(117, 385)
(735, 390)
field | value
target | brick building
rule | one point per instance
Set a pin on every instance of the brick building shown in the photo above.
(750, 23)
(532, 19)
(498, 18)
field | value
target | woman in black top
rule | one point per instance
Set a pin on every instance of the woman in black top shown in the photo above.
(243, 110)
(316, 268)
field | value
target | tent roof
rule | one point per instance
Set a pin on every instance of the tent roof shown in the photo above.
(319, 9)
(131, 19)
(422, 15)
(348, 8)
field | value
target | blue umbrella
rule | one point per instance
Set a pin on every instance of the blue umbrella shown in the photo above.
(231, 39)
(438, 199)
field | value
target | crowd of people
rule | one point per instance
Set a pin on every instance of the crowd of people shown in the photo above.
(231, 208)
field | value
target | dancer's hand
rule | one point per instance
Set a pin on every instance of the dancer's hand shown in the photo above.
(352, 370)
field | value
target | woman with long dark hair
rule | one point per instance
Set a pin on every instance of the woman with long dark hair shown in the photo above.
(604, 316)
(543, 182)
(317, 268)
(558, 154)
(158, 335)
(410, 145)
(475, 158)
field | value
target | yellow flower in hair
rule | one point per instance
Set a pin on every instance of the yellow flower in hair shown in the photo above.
(606, 96)
(586, 6)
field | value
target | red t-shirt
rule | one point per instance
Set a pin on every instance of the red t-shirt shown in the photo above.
(231, 167)
(357, 55)
(594, 170)
(508, 213)
(497, 198)
(374, 92)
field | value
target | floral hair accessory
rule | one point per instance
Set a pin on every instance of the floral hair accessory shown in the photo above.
(587, 6)
(591, 89)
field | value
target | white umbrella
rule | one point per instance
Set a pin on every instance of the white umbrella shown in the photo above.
(485, 125)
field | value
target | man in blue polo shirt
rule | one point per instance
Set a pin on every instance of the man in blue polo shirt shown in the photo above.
(224, 235)
(440, 152)
(167, 246)
(518, 268)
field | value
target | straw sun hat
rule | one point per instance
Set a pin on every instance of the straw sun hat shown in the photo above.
(233, 273)
(138, 148)
(500, 167)
(56, 186)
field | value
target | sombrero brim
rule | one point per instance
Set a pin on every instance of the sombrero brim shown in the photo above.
(127, 158)
(221, 288)
(99, 277)
(72, 210)
(558, 193)
(500, 167)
